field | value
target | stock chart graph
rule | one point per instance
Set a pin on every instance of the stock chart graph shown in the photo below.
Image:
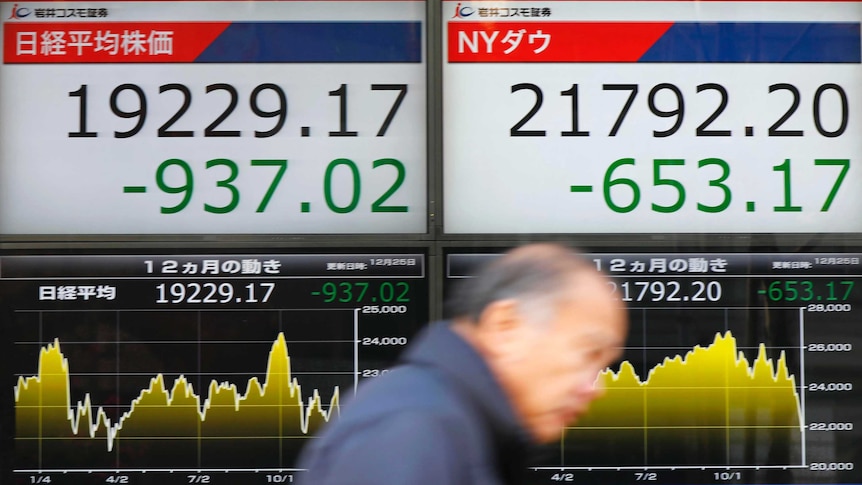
(125, 369)
(272, 410)
(738, 368)
(700, 408)
(156, 376)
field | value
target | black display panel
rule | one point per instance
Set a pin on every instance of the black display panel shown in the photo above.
(191, 368)
(738, 368)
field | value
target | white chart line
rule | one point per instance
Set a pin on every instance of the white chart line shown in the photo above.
(800, 411)
(163, 470)
(802, 421)
(355, 349)
(670, 467)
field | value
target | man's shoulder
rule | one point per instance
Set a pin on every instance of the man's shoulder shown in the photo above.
(407, 390)
(408, 398)
(405, 425)
(409, 448)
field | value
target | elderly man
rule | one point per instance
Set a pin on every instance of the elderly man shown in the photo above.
(470, 398)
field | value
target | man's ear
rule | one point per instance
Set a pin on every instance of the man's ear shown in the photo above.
(501, 330)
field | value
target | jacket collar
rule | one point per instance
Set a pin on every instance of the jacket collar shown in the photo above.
(441, 348)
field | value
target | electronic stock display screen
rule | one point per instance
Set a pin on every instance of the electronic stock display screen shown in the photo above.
(191, 368)
(738, 368)
(195, 117)
(154, 121)
(651, 116)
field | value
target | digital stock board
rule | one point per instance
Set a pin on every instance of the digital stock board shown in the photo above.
(229, 117)
(661, 117)
(136, 364)
(218, 219)
(738, 368)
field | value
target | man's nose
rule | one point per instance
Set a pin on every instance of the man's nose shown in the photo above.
(593, 388)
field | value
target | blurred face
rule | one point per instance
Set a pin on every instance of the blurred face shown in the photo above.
(550, 369)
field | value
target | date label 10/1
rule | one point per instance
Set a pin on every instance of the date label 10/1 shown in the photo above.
(339, 203)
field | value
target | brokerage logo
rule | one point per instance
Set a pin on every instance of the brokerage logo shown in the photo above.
(500, 12)
(19, 13)
(462, 12)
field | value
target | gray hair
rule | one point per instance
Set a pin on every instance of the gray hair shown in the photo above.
(536, 276)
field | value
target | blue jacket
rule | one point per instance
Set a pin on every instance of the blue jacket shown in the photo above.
(439, 418)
